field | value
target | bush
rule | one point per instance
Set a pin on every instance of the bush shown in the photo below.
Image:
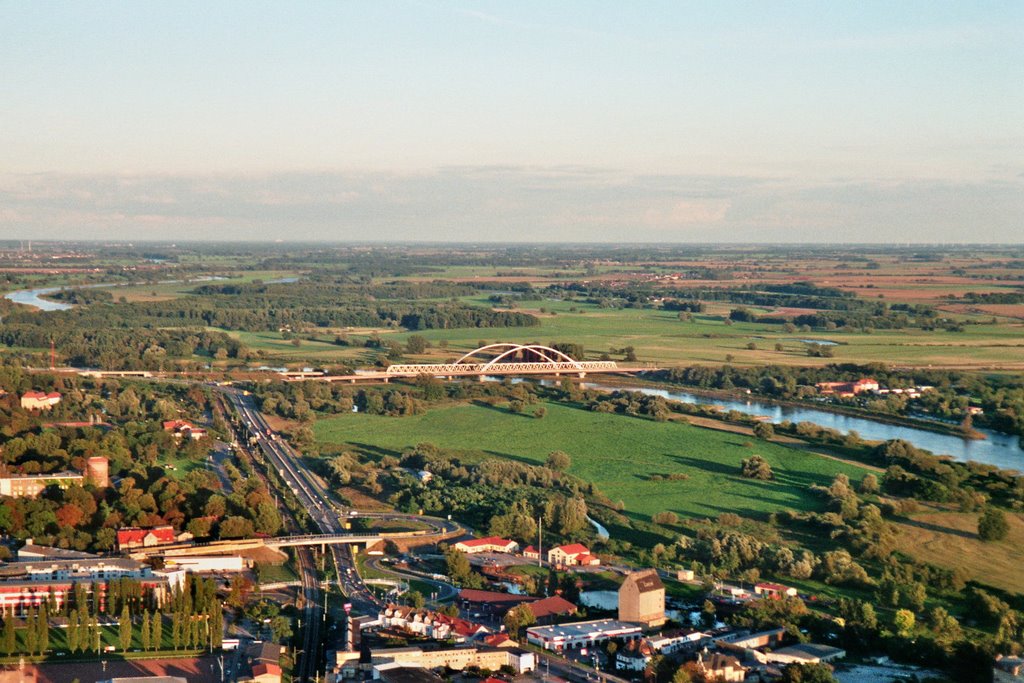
(669, 518)
(756, 467)
(992, 525)
(559, 461)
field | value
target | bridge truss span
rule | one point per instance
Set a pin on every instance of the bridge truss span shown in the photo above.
(500, 359)
(455, 369)
(510, 359)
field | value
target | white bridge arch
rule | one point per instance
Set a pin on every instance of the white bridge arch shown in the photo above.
(509, 359)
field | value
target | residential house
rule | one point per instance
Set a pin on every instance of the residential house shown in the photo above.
(499, 640)
(531, 553)
(39, 400)
(719, 667)
(184, 429)
(138, 537)
(574, 554)
(489, 544)
(670, 642)
(847, 389)
(427, 624)
(774, 591)
(263, 673)
(635, 656)
(491, 603)
(548, 610)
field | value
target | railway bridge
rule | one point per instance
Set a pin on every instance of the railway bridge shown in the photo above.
(501, 359)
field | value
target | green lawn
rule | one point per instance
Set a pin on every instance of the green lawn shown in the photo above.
(660, 337)
(617, 453)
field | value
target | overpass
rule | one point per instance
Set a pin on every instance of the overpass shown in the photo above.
(508, 359)
(243, 544)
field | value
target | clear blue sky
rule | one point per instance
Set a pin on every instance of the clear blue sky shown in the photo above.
(451, 119)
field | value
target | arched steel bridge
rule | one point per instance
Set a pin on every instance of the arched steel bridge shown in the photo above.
(498, 359)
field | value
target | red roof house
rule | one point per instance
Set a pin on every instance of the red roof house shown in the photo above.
(182, 428)
(499, 640)
(774, 590)
(38, 400)
(490, 544)
(137, 537)
(549, 609)
(571, 555)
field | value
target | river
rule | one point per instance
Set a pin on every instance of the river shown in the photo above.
(34, 297)
(1002, 450)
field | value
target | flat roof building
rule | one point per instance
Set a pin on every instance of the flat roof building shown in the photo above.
(581, 634)
(806, 653)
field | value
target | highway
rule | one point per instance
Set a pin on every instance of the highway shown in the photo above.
(327, 520)
(311, 603)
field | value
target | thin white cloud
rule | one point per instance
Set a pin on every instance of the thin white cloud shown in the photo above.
(503, 203)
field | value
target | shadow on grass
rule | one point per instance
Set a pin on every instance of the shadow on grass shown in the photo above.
(374, 451)
(938, 528)
(504, 411)
(750, 513)
(509, 456)
(706, 465)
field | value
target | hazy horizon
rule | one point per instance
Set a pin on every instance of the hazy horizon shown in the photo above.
(454, 122)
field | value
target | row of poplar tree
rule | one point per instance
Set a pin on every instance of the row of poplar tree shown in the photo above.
(194, 611)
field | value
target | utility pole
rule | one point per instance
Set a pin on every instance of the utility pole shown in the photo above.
(540, 537)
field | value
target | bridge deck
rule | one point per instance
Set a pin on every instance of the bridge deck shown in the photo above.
(412, 371)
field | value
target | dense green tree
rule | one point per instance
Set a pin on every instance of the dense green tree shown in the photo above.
(124, 625)
(807, 673)
(157, 631)
(31, 633)
(73, 631)
(992, 525)
(9, 635)
(904, 622)
(518, 618)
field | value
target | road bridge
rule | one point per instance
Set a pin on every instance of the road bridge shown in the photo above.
(304, 540)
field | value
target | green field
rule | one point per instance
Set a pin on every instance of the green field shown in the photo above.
(619, 454)
(660, 337)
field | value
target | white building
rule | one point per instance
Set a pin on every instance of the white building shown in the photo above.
(100, 568)
(581, 634)
(198, 564)
(669, 643)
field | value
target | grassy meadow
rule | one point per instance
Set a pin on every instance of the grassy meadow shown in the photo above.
(660, 337)
(950, 539)
(617, 453)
